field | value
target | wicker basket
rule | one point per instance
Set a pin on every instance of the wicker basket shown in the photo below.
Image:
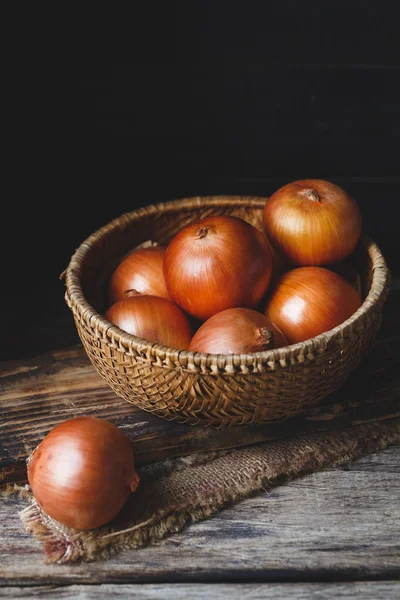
(215, 390)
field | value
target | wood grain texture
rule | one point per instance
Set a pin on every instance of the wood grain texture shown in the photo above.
(39, 393)
(335, 525)
(371, 590)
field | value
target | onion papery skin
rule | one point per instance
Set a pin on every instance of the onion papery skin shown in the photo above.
(217, 263)
(237, 331)
(308, 301)
(82, 473)
(312, 222)
(141, 270)
(152, 318)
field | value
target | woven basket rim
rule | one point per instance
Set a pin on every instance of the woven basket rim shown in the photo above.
(131, 344)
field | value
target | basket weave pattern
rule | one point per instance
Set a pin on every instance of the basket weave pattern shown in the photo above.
(216, 390)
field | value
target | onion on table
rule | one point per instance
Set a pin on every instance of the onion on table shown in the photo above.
(83, 472)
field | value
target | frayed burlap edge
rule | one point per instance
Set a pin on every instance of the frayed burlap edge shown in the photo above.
(181, 491)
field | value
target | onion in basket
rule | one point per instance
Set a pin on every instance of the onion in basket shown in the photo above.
(308, 301)
(237, 331)
(153, 318)
(217, 263)
(141, 270)
(312, 222)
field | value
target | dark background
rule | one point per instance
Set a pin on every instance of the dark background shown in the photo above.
(191, 98)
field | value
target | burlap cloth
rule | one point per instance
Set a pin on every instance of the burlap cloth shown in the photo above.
(177, 492)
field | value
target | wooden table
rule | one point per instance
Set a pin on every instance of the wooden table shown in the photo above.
(336, 532)
(332, 534)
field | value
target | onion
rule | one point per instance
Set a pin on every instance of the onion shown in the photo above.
(308, 301)
(237, 331)
(155, 319)
(217, 263)
(312, 221)
(82, 473)
(141, 270)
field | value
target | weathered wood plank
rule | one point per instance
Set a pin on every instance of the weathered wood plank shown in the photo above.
(382, 461)
(41, 392)
(333, 525)
(371, 590)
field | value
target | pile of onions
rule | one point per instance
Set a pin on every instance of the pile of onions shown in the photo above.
(82, 473)
(152, 318)
(312, 222)
(142, 270)
(308, 301)
(222, 286)
(217, 263)
(237, 331)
